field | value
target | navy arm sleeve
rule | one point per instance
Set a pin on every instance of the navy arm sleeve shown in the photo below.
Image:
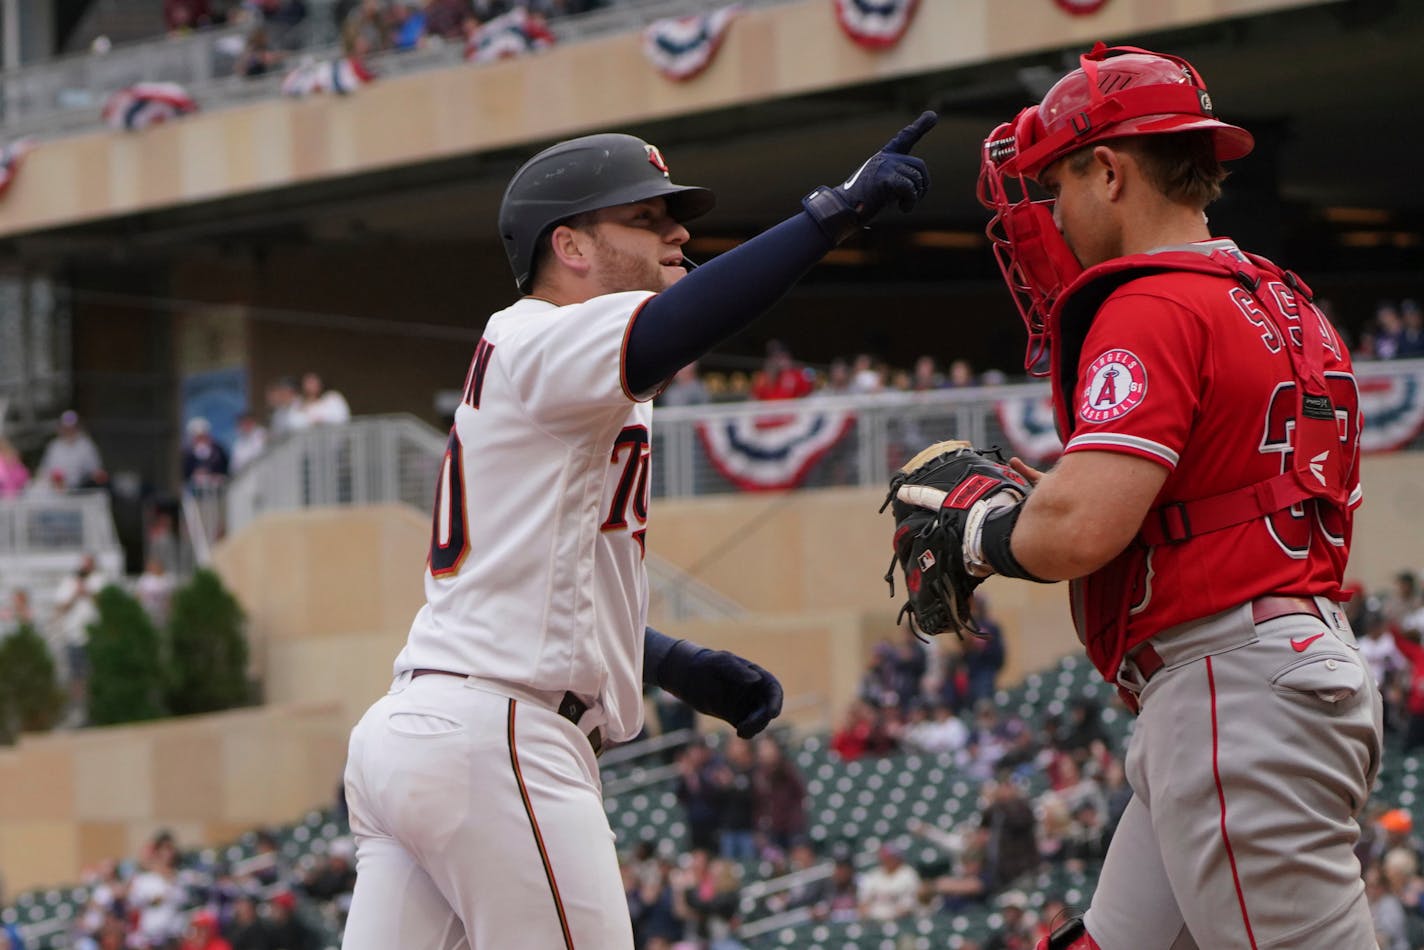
(718, 299)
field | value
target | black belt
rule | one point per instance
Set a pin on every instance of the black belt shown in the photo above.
(570, 707)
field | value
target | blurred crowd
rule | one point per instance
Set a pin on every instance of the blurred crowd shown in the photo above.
(1395, 333)
(782, 376)
(275, 30)
(165, 900)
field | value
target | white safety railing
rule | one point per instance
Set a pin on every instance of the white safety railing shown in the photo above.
(63, 525)
(371, 460)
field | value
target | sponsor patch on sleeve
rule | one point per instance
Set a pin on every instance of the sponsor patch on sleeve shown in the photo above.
(1114, 384)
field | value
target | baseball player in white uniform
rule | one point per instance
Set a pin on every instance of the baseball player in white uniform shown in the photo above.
(473, 788)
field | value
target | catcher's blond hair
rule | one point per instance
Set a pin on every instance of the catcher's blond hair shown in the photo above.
(939, 448)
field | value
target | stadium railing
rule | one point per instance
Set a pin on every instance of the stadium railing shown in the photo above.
(64, 95)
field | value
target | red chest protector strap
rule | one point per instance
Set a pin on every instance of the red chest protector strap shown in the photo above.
(1320, 467)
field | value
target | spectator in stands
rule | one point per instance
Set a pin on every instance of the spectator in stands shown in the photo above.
(1391, 925)
(250, 443)
(840, 900)
(366, 29)
(258, 57)
(988, 742)
(1379, 651)
(961, 375)
(284, 408)
(17, 613)
(205, 464)
(202, 933)
(1411, 334)
(697, 789)
(1389, 331)
(1055, 827)
(1012, 847)
(322, 406)
(156, 896)
(969, 883)
(838, 379)
(1402, 600)
(1085, 725)
(74, 456)
(183, 16)
(407, 25)
(943, 733)
(927, 376)
(13, 474)
(908, 663)
(285, 929)
(983, 655)
(154, 590)
(74, 611)
(651, 906)
(802, 894)
(781, 376)
(866, 375)
(736, 802)
(281, 18)
(890, 890)
(780, 795)
(861, 733)
(705, 894)
(1116, 792)
(1088, 837)
(334, 877)
(686, 388)
(1017, 932)
(247, 931)
(446, 18)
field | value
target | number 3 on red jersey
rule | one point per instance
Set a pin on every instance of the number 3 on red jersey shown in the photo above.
(448, 542)
(1294, 527)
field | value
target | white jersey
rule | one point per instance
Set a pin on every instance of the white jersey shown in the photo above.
(536, 574)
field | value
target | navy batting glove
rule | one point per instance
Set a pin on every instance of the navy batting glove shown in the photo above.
(891, 175)
(723, 685)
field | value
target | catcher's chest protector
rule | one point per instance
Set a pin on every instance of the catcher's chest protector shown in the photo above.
(1320, 470)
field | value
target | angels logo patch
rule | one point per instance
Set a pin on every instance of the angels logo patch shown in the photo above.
(1116, 385)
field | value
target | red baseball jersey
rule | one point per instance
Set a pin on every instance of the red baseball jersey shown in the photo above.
(1189, 370)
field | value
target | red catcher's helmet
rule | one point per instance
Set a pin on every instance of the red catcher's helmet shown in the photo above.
(1116, 92)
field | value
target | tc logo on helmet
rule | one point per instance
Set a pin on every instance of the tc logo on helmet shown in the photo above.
(655, 158)
(1117, 384)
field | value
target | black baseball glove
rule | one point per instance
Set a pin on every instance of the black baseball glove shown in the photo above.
(940, 499)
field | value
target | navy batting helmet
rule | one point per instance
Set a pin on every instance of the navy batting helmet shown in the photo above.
(585, 174)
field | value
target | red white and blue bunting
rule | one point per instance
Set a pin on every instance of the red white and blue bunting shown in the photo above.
(1028, 423)
(682, 47)
(510, 34)
(875, 24)
(772, 453)
(10, 158)
(342, 76)
(1391, 399)
(1393, 406)
(147, 104)
(1081, 7)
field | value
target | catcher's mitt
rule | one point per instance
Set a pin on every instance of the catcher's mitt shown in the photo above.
(948, 491)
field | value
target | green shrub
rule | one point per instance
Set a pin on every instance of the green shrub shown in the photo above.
(209, 650)
(126, 673)
(31, 699)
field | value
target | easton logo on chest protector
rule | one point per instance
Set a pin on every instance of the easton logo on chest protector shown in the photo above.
(1116, 384)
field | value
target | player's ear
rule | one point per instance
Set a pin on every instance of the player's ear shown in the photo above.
(570, 247)
(1107, 168)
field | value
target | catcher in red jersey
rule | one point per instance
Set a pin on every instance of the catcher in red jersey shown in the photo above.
(1201, 510)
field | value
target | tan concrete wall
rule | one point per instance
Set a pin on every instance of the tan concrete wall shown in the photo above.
(69, 800)
(770, 53)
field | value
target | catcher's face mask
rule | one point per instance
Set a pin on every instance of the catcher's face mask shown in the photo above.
(1116, 92)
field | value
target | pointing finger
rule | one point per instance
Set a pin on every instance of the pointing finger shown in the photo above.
(906, 138)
